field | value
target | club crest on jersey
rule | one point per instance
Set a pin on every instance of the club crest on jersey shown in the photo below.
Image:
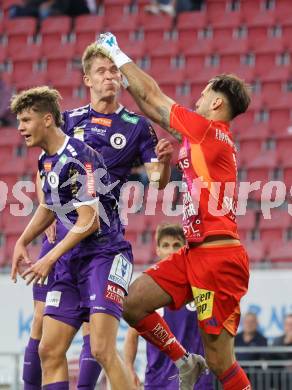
(118, 141)
(53, 179)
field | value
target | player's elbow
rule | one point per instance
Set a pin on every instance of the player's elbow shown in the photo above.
(94, 225)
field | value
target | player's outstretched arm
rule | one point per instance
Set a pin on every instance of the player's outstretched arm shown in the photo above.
(87, 223)
(130, 352)
(144, 89)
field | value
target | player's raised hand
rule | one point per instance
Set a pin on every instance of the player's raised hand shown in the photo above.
(164, 151)
(39, 271)
(108, 45)
(20, 256)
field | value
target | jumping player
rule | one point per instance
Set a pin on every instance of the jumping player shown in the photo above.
(122, 138)
(161, 373)
(213, 268)
(93, 261)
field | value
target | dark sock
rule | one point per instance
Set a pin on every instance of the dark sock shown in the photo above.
(89, 368)
(32, 372)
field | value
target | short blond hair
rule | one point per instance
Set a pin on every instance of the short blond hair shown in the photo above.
(90, 53)
(40, 99)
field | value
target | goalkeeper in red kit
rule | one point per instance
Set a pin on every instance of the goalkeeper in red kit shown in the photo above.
(213, 268)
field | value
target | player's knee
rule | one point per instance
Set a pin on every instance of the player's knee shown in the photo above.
(215, 362)
(50, 354)
(102, 352)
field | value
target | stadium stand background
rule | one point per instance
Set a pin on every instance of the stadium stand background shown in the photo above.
(251, 38)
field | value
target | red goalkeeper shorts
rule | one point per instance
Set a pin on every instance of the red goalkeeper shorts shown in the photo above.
(216, 278)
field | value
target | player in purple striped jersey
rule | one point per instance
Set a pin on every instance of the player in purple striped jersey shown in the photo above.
(161, 372)
(93, 261)
(122, 137)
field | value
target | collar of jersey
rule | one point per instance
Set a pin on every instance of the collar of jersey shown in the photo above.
(118, 110)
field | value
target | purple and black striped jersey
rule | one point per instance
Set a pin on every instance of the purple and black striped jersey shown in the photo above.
(76, 176)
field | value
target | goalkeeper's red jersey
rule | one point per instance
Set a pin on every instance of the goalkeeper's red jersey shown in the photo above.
(208, 161)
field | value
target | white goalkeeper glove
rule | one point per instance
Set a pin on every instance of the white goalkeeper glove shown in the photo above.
(108, 45)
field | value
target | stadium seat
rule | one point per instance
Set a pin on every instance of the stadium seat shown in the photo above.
(15, 166)
(249, 8)
(281, 253)
(59, 57)
(256, 250)
(20, 30)
(264, 62)
(225, 19)
(74, 102)
(143, 254)
(115, 10)
(274, 229)
(279, 119)
(32, 79)
(277, 73)
(86, 29)
(31, 161)
(54, 30)
(191, 21)
(123, 27)
(246, 223)
(249, 149)
(68, 84)
(261, 169)
(155, 27)
(10, 137)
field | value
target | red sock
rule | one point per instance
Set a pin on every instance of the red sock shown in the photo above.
(235, 378)
(155, 330)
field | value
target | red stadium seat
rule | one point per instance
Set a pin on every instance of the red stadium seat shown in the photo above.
(20, 30)
(279, 119)
(54, 30)
(123, 27)
(191, 21)
(143, 254)
(68, 84)
(59, 57)
(274, 229)
(10, 136)
(226, 19)
(69, 104)
(282, 253)
(249, 149)
(246, 223)
(114, 10)
(86, 29)
(15, 166)
(32, 79)
(155, 27)
(256, 250)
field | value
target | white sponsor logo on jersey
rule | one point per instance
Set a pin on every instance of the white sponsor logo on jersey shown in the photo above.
(121, 271)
